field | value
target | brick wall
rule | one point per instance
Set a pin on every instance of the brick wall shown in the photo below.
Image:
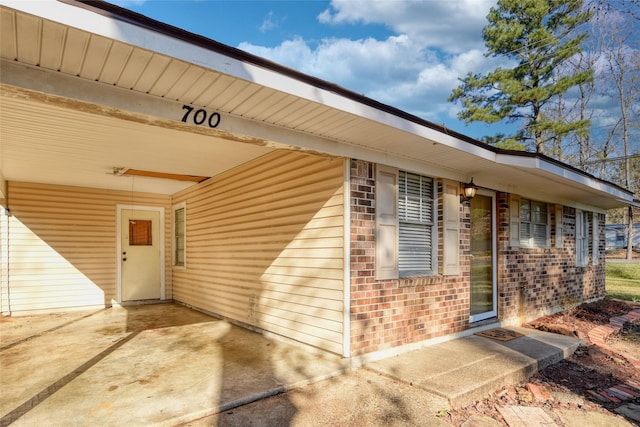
(391, 313)
(531, 282)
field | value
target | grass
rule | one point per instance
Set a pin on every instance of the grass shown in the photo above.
(623, 281)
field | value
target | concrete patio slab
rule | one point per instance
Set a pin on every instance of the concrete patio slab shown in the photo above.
(144, 365)
(167, 365)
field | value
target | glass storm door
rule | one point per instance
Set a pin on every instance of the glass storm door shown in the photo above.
(483, 257)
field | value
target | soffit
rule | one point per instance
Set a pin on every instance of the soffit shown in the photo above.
(50, 45)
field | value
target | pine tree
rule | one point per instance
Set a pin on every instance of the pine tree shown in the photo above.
(537, 36)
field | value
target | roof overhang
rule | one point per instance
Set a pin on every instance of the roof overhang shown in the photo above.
(106, 87)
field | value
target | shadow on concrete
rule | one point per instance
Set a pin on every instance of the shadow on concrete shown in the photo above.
(48, 391)
(161, 364)
(25, 334)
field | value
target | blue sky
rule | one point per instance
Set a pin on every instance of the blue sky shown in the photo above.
(408, 54)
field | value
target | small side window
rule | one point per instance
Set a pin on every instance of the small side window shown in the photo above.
(179, 235)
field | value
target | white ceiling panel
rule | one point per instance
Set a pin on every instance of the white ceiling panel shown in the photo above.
(8, 47)
(53, 35)
(218, 85)
(29, 35)
(75, 47)
(151, 73)
(94, 60)
(136, 64)
(241, 96)
(184, 83)
(262, 109)
(170, 75)
(308, 117)
(233, 94)
(198, 87)
(117, 59)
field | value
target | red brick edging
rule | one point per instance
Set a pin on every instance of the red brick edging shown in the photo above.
(599, 334)
(621, 392)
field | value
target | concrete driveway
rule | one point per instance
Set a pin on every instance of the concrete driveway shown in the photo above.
(161, 364)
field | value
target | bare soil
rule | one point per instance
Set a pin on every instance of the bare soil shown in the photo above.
(565, 385)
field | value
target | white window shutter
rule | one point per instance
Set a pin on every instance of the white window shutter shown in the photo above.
(580, 239)
(559, 227)
(451, 243)
(548, 244)
(386, 223)
(595, 253)
(514, 220)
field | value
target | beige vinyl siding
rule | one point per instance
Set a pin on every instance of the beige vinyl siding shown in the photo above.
(62, 245)
(265, 246)
(4, 263)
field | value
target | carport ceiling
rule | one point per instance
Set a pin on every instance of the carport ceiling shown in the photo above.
(55, 145)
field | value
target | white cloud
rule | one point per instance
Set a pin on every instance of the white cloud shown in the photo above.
(269, 23)
(436, 43)
(396, 71)
(451, 26)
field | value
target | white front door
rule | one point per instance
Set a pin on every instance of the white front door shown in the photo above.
(140, 252)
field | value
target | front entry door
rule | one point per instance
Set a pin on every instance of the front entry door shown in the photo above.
(483, 257)
(140, 254)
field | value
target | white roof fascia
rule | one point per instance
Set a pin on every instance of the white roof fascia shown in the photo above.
(537, 163)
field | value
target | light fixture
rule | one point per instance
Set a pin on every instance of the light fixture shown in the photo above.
(468, 191)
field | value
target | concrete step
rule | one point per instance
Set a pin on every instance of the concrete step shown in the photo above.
(468, 369)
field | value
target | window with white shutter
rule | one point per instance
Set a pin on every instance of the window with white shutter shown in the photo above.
(416, 206)
(534, 224)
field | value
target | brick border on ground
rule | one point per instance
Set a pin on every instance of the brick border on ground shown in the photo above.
(599, 334)
(624, 392)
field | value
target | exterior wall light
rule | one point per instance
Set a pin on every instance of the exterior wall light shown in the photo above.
(468, 191)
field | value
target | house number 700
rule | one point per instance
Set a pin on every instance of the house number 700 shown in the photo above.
(201, 117)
